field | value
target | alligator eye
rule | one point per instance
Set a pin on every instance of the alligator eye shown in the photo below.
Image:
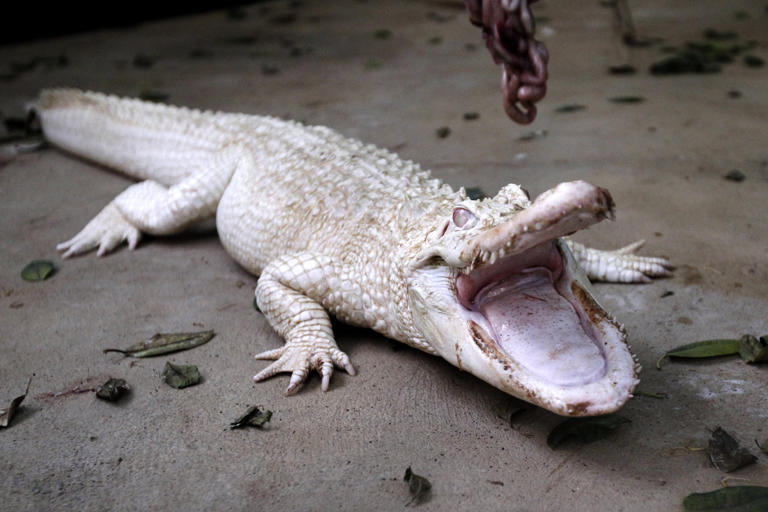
(462, 217)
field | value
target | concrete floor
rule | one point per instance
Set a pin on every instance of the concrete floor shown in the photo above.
(347, 449)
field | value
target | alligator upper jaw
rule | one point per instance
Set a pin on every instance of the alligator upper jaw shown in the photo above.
(560, 211)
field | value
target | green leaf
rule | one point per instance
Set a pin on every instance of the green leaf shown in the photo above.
(753, 349)
(6, 415)
(38, 270)
(739, 498)
(165, 343)
(418, 486)
(181, 376)
(586, 430)
(253, 417)
(113, 390)
(726, 454)
(702, 349)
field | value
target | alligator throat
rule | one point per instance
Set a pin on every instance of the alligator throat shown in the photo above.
(531, 316)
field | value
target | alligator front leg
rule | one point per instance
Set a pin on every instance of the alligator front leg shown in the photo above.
(620, 265)
(293, 293)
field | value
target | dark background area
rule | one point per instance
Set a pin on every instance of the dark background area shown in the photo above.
(31, 20)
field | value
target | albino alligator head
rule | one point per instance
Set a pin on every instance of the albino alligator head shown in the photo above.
(495, 292)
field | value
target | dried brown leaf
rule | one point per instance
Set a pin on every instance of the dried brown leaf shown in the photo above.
(6, 415)
(253, 417)
(726, 454)
(418, 486)
(113, 390)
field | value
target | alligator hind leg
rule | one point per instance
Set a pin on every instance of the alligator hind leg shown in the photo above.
(620, 265)
(289, 293)
(154, 208)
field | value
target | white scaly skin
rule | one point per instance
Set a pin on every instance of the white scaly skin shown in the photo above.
(335, 226)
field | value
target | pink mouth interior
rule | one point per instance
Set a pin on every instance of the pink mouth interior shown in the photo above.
(531, 315)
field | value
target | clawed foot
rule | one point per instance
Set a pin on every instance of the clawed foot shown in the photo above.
(106, 231)
(300, 359)
(620, 265)
(624, 266)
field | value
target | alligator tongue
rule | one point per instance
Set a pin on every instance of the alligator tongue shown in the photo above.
(540, 329)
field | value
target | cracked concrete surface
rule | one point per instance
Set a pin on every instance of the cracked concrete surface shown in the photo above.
(320, 62)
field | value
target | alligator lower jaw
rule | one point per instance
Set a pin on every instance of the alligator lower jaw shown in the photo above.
(531, 312)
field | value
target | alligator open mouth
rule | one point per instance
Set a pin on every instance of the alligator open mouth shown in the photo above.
(534, 328)
(526, 305)
(525, 293)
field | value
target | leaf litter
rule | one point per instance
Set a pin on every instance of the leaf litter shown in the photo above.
(742, 498)
(702, 349)
(749, 347)
(113, 390)
(706, 56)
(568, 108)
(726, 454)
(586, 430)
(627, 99)
(418, 486)
(753, 349)
(181, 376)
(649, 394)
(6, 415)
(38, 270)
(165, 343)
(253, 417)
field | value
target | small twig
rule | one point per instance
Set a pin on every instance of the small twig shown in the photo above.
(689, 449)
